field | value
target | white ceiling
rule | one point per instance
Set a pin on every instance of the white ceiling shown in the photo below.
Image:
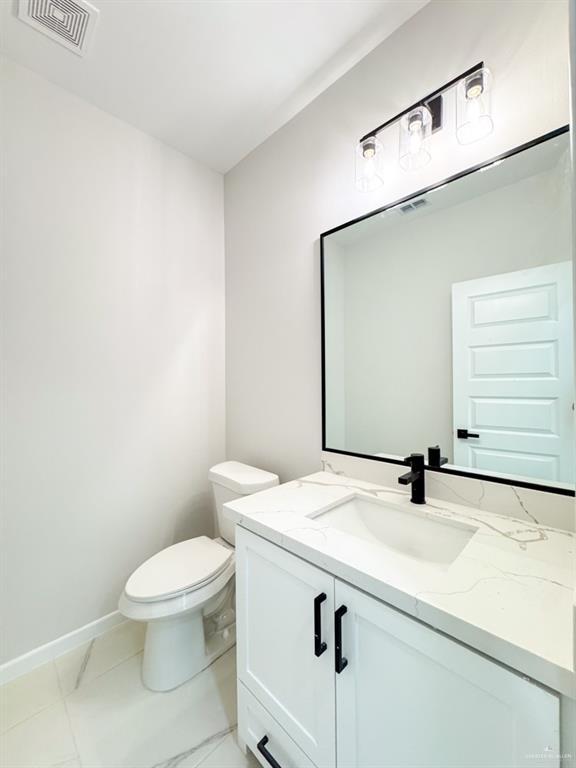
(213, 78)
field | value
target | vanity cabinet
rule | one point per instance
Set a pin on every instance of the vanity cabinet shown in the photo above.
(350, 682)
(278, 596)
(411, 696)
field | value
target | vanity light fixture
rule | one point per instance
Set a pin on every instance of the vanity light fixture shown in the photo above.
(421, 120)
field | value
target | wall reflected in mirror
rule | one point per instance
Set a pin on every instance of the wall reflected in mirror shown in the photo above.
(448, 319)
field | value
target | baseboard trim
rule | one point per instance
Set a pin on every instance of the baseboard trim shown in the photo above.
(45, 653)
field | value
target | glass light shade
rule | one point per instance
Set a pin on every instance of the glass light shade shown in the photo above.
(415, 132)
(473, 111)
(369, 164)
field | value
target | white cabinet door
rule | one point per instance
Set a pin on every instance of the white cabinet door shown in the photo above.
(409, 696)
(277, 598)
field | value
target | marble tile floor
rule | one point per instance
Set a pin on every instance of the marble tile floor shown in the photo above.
(89, 709)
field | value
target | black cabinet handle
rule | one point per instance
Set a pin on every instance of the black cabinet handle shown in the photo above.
(341, 662)
(463, 434)
(261, 747)
(319, 646)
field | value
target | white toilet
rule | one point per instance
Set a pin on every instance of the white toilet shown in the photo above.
(186, 591)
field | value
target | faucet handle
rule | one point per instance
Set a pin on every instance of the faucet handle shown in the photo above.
(415, 460)
(435, 458)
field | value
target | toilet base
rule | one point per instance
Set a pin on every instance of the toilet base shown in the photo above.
(175, 650)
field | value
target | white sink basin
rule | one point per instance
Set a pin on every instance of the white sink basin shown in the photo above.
(407, 531)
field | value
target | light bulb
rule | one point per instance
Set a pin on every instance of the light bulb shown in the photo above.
(415, 123)
(369, 148)
(474, 85)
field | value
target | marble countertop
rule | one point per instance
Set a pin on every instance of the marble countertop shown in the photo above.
(508, 594)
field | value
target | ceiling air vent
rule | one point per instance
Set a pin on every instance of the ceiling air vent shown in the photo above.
(69, 22)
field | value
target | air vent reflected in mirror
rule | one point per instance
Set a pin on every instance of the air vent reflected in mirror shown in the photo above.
(410, 207)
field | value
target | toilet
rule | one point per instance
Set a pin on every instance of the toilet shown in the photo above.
(185, 593)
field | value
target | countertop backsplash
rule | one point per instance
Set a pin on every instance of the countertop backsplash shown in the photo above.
(541, 507)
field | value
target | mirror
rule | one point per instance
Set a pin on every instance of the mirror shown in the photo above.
(448, 319)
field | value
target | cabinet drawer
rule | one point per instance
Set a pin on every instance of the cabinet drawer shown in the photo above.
(255, 723)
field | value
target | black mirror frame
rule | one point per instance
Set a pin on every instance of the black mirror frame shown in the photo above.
(443, 470)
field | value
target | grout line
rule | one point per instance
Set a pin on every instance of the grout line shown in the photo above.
(40, 709)
(68, 718)
(106, 671)
(139, 653)
(62, 698)
(65, 762)
(88, 655)
(4, 731)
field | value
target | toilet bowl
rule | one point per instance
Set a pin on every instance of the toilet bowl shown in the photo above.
(185, 593)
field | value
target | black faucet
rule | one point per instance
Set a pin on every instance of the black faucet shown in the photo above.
(415, 478)
(435, 458)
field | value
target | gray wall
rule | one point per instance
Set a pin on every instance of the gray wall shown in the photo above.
(300, 183)
(113, 355)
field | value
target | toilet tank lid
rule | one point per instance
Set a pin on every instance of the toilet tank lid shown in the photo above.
(242, 478)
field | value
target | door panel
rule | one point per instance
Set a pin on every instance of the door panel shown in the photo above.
(518, 414)
(515, 360)
(410, 697)
(537, 466)
(513, 373)
(515, 306)
(277, 658)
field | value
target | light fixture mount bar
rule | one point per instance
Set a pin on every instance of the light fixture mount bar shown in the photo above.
(433, 101)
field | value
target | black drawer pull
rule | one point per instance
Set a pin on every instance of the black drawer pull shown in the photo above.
(463, 434)
(261, 747)
(341, 661)
(319, 646)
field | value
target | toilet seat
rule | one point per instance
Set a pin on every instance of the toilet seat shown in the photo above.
(180, 604)
(177, 570)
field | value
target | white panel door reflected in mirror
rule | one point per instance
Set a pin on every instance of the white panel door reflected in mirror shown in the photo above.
(452, 313)
(513, 364)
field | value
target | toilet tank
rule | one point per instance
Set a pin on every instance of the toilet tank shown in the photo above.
(232, 480)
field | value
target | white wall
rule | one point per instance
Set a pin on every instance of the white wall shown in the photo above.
(300, 183)
(113, 323)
